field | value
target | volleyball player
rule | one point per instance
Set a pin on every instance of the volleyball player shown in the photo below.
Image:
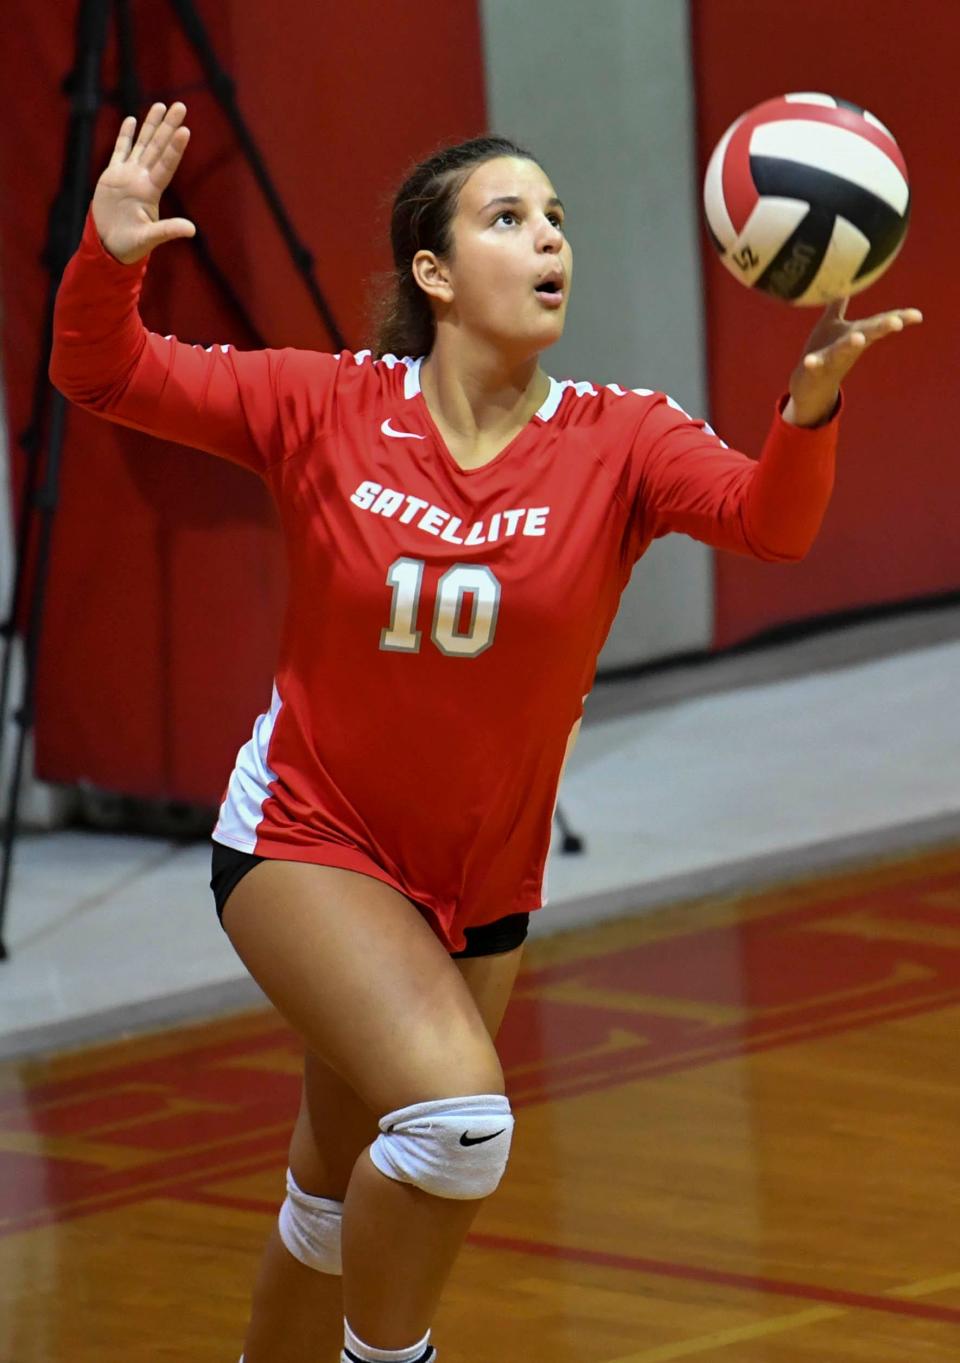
(460, 527)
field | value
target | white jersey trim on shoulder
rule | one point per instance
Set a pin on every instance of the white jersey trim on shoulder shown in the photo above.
(207, 349)
(358, 356)
(411, 382)
(362, 356)
(242, 810)
(649, 393)
(557, 390)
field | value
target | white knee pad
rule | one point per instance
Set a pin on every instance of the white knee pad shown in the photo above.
(310, 1228)
(451, 1147)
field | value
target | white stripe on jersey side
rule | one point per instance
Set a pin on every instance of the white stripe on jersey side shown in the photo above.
(544, 882)
(242, 808)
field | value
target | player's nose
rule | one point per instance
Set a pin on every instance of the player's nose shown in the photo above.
(549, 236)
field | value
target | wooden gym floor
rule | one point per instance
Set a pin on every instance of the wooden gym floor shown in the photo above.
(738, 1141)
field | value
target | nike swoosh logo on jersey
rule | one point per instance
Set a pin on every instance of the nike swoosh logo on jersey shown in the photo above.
(399, 435)
(478, 1140)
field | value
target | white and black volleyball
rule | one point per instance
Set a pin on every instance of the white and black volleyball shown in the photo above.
(807, 198)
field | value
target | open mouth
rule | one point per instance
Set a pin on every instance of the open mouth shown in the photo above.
(550, 292)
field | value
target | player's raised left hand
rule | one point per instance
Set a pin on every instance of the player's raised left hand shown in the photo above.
(832, 349)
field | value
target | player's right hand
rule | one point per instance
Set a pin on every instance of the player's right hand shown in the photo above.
(126, 203)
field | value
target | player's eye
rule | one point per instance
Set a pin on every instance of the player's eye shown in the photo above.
(507, 213)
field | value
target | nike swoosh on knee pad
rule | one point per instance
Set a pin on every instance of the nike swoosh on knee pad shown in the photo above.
(478, 1140)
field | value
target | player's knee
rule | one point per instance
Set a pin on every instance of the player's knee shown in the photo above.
(310, 1228)
(450, 1147)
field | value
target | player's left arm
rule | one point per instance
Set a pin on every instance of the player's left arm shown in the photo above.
(770, 508)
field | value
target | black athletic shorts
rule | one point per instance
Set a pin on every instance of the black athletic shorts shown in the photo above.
(230, 866)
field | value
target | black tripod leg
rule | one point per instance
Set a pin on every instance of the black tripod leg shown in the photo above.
(24, 715)
(31, 444)
(130, 99)
(222, 86)
(66, 226)
(572, 842)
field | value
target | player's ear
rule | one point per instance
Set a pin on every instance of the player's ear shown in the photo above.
(432, 276)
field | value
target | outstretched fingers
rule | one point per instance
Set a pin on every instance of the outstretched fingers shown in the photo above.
(165, 131)
(842, 351)
(896, 319)
(121, 148)
(147, 129)
(162, 171)
(858, 336)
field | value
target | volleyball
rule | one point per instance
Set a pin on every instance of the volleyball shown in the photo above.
(807, 198)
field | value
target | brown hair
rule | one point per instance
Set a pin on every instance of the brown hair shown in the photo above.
(423, 210)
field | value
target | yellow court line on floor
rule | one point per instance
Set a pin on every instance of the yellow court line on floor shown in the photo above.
(775, 1325)
(926, 1288)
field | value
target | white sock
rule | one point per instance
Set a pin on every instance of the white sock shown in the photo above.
(355, 1351)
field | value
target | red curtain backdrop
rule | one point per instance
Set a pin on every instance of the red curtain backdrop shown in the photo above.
(167, 581)
(891, 531)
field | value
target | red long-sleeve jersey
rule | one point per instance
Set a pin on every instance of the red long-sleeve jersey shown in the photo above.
(443, 624)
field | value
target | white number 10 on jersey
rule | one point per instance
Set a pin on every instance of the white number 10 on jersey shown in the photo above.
(405, 576)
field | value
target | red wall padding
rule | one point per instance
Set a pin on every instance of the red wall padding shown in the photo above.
(891, 531)
(167, 580)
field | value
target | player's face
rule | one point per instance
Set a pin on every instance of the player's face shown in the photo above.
(508, 241)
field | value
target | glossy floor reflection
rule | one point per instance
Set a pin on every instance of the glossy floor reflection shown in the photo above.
(736, 1140)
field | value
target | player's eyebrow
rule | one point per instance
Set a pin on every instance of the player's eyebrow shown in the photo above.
(515, 199)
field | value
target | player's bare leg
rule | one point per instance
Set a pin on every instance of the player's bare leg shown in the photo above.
(435, 1226)
(353, 966)
(297, 1313)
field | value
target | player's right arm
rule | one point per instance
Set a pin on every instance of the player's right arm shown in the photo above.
(253, 407)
